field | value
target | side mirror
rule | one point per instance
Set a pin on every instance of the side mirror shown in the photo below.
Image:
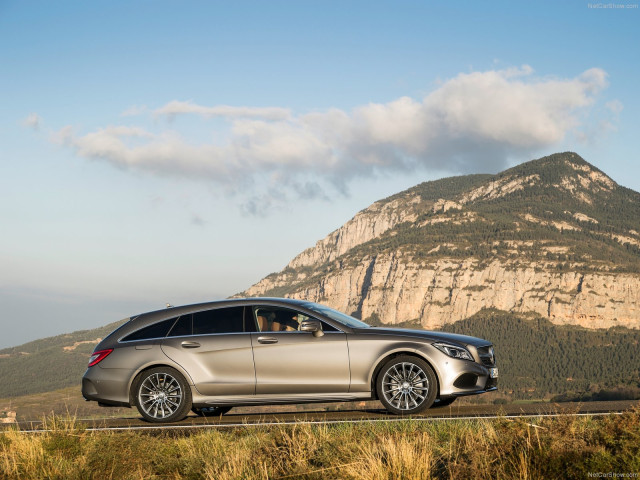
(312, 326)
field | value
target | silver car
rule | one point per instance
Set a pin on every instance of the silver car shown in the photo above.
(210, 357)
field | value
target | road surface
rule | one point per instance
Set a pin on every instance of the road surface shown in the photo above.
(239, 418)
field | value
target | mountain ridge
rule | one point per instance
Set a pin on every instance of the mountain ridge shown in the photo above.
(555, 236)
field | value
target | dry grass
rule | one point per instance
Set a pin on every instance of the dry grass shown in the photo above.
(561, 447)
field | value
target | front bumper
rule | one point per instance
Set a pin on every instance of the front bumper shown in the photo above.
(462, 377)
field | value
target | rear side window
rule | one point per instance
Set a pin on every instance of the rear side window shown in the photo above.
(221, 320)
(182, 327)
(156, 330)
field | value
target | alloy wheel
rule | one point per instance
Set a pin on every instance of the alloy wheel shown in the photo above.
(405, 386)
(160, 395)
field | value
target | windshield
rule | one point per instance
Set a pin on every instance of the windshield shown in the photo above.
(336, 315)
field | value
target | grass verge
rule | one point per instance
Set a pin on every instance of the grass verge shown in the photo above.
(558, 447)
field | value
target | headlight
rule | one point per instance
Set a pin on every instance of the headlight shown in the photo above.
(454, 351)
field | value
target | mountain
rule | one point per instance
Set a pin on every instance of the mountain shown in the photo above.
(554, 236)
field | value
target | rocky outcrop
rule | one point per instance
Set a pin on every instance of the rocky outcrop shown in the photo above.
(366, 225)
(395, 289)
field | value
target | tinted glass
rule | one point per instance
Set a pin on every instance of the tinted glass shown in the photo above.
(157, 330)
(221, 320)
(182, 326)
(328, 328)
(336, 315)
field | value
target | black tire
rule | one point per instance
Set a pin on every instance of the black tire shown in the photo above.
(410, 385)
(444, 402)
(211, 411)
(162, 395)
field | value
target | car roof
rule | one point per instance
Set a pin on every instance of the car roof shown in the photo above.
(196, 307)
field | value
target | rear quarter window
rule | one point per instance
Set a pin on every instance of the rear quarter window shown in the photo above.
(156, 330)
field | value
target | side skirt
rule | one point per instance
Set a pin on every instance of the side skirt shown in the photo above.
(238, 401)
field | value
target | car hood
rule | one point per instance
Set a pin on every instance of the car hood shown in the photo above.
(425, 335)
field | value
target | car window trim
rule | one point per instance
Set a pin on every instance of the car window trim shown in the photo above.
(209, 334)
(247, 308)
(198, 335)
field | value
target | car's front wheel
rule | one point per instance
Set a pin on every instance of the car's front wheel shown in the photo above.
(162, 395)
(406, 385)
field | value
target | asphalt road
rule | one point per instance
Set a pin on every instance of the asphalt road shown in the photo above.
(240, 419)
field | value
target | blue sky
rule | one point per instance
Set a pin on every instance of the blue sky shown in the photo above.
(156, 152)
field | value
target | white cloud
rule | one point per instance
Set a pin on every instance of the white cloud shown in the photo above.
(473, 122)
(33, 120)
(175, 108)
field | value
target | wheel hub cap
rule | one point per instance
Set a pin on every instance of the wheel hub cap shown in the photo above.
(160, 395)
(405, 386)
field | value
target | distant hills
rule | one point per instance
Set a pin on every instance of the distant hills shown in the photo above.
(49, 363)
(554, 236)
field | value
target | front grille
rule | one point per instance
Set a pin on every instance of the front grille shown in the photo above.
(487, 356)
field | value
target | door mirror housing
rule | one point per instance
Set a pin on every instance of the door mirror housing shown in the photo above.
(312, 326)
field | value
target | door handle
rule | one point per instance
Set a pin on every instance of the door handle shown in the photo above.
(190, 344)
(267, 340)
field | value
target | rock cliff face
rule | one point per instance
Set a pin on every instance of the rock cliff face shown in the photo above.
(396, 290)
(366, 225)
(554, 236)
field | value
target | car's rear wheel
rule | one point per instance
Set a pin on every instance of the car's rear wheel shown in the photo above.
(211, 411)
(162, 395)
(406, 385)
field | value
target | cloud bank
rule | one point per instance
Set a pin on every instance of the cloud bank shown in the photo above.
(474, 122)
(175, 108)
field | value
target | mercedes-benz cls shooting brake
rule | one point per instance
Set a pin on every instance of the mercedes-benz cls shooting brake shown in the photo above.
(213, 356)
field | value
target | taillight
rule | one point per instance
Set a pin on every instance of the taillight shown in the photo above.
(98, 356)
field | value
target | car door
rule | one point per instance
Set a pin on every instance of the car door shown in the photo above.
(289, 361)
(214, 348)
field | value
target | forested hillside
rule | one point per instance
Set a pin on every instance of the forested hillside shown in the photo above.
(538, 359)
(49, 363)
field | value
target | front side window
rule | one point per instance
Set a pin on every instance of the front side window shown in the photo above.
(278, 319)
(336, 315)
